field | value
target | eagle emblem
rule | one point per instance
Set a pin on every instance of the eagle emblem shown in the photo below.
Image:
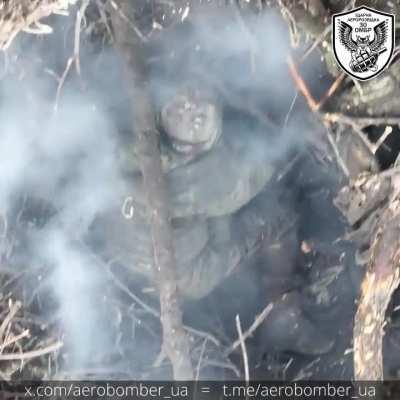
(363, 41)
(364, 52)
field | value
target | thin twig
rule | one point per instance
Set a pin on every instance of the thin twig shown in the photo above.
(316, 42)
(14, 307)
(133, 296)
(339, 159)
(14, 339)
(290, 109)
(291, 20)
(301, 85)
(32, 354)
(203, 348)
(125, 18)
(303, 88)
(221, 364)
(79, 17)
(103, 17)
(332, 89)
(156, 313)
(335, 118)
(62, 80)
(388, 130)
(244, 350)
(257, 322)
(322, 36)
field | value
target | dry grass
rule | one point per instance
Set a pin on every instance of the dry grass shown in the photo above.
(25, 15)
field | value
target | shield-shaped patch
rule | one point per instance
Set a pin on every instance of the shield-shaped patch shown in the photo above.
(363, 41)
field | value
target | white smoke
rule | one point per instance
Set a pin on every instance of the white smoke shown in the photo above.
(68, 157)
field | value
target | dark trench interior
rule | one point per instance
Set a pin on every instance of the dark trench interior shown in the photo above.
(76, 263)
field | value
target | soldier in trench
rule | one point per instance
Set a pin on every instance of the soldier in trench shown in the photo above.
(224, 209)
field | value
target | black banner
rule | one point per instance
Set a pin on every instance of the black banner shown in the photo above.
(201, 390)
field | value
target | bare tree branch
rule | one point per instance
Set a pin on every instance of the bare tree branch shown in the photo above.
(175, 341)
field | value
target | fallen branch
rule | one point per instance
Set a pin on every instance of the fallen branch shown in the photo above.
(381, 280)
(130, 48)
(361, 122)
(373, 201)
(335, 118)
